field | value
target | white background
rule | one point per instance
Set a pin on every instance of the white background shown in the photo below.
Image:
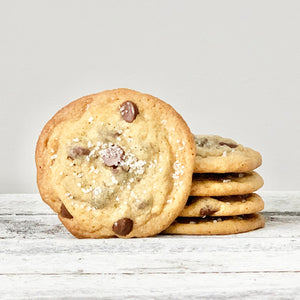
(229, 67)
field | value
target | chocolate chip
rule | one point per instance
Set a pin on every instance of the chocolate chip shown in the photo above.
(129, 111)
(112, 155)
(142, 205)
(206, 211)
(230, 145)
(123, 226)
(78, 151)
(64, 212)
(202, 142)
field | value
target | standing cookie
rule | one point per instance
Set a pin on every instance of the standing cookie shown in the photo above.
(117, 163)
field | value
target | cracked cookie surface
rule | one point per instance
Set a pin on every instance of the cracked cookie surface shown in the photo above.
(215, 154)
(117, 163)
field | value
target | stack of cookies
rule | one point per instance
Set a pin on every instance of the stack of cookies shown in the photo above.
(120, 164)
(221, 199)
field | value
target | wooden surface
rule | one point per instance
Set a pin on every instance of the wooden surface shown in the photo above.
(39, 259)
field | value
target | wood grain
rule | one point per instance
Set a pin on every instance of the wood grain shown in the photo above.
(39, 259)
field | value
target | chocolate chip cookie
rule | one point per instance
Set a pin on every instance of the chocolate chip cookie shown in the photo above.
(216, 225)
(222, 205)
(215, 154)
(116, 163)
(213, 184)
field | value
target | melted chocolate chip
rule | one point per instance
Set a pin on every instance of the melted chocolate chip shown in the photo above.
(78, 151)
(206, 211)
(123, 226)
(64, 212)
(142, 205)
(113, 155)
(230, 145)
(202, 142)
(129, 111)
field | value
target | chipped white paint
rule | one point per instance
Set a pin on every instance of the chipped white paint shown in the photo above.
(40, 259)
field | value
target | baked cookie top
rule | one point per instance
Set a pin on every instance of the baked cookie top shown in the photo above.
(117, 163)
(215, 154)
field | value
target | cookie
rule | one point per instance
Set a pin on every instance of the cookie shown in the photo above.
(117, 163)
(215, 154)
(213, 184)
(222, 206)
(216, 225)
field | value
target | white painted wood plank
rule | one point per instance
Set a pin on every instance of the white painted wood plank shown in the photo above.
(164, 245)
(49, 227)
(282, 201)
(233, 260)
(152, 286)
(27, 204)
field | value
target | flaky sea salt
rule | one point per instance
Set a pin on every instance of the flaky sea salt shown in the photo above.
(86, 191)
(114, 180)
(226, 180)
(178, 169)
(97, 190)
